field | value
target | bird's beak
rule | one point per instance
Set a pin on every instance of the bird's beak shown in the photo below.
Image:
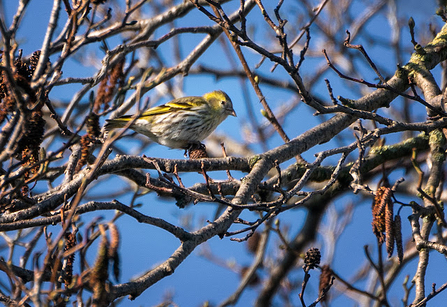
(232, 112)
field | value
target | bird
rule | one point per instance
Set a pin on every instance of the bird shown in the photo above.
(182, 122)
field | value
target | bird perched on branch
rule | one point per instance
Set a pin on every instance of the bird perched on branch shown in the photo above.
(182, 122)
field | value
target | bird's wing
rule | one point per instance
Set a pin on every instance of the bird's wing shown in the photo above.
(184, 103)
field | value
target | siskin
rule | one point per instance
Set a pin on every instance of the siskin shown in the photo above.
(181, 122)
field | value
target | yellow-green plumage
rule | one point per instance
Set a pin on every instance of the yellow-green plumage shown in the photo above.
(181, 122)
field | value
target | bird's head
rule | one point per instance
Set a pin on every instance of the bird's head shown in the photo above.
(219, 101)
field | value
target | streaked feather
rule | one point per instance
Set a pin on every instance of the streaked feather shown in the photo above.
(182, 121)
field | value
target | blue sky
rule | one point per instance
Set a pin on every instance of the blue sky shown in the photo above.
(145, 246)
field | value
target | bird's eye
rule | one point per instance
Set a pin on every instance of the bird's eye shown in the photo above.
(222, 102)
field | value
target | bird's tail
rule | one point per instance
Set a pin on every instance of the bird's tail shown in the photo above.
(117, 122)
